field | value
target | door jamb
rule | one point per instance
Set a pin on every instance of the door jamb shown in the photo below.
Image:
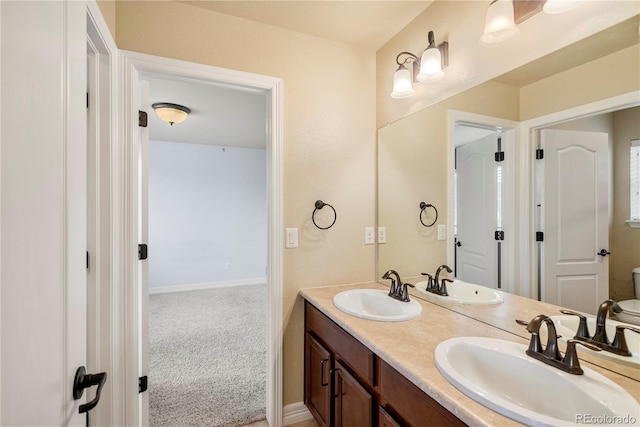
(526, 262)
(132, 65)
(104, 308)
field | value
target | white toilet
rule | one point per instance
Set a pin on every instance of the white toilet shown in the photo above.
(631, 307)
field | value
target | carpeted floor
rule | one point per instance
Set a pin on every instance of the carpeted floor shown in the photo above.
(207, 357)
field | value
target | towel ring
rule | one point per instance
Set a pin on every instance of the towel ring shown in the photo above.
(423, 207)
(319, 205)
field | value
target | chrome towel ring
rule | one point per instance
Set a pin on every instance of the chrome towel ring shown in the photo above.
(319, 205)
(423, 207)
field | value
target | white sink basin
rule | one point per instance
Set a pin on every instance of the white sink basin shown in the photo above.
(375, 304)
(566, 326)
(499, 375)
(463, 293)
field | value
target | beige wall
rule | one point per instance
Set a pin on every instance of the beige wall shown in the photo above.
(329, 137)
(108, 11)
(470, 63)
(611, 75)
(625, 241)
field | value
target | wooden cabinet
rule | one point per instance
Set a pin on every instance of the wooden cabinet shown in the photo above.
(353, 403)
(386, 420)
(317, 385)
(347, 385)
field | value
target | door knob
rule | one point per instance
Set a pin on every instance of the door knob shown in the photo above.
(83, 380)
(603, 252)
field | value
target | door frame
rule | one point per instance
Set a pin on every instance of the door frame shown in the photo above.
(103, 319)
(509, 217)
(136, 64)
(528, 275)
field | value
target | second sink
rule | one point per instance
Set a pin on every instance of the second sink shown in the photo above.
(375, 304)
(463, 293)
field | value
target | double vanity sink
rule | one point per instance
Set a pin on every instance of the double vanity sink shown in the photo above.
(445, 353)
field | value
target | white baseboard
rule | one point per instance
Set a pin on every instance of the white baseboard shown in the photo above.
(211, 285)
(295, 413)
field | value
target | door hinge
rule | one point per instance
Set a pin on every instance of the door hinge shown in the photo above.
(142, 251)
(499, 235)
(87, 260)
(499, 156)
(142, 119)
(87, 100)
(539, 154)
(539, 236)
(143, 384)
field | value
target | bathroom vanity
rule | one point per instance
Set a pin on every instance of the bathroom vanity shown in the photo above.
(360, 372)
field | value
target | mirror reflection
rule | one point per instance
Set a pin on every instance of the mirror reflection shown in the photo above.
(555, 229)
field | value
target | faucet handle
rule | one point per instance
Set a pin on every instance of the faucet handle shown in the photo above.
(571, 360)
(583, 328)
(429, 282)
(443, 287)
(535, 346)
(619, 341)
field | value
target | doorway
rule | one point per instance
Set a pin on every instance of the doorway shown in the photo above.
(207, 243)
(585, 249)
(482, 198)
(529, 275)
(139, 67)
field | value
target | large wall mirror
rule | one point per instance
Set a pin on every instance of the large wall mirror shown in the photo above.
(442, 165)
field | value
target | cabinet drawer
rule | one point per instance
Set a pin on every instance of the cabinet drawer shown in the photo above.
(349, 351)
(386, 420)
(410, 405)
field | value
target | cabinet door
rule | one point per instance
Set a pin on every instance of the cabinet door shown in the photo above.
(317, 374)
(386, 420)
(353, 404)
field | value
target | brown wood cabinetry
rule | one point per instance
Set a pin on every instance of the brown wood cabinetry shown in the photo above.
(347, 385)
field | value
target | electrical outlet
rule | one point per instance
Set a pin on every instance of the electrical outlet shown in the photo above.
(382, 234)
(442, 232)
(291, 238)
(369, 237)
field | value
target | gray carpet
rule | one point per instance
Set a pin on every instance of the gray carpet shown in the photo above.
(207, 357)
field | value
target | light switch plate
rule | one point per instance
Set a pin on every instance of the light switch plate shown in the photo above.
(291, 238)
(369, 236)
(382, 234)
(442, 232)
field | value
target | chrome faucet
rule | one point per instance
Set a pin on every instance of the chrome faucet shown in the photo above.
(550, 355)
(398, 290)
(619, 345)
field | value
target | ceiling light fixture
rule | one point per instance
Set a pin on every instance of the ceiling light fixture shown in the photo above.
(171, 113)
(428, 68)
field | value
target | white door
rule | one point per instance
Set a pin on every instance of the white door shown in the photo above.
(575, 219)
(476, 211)
(43, 217)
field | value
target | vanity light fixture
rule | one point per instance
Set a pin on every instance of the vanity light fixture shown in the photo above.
(171, 113)
(553, 7)
(503, 15)
(429, 68)
(499, 23)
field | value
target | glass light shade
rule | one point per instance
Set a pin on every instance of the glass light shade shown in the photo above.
(402, 86)
(430, 66)
(171, 113)
(553, 7)
(499, 23)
